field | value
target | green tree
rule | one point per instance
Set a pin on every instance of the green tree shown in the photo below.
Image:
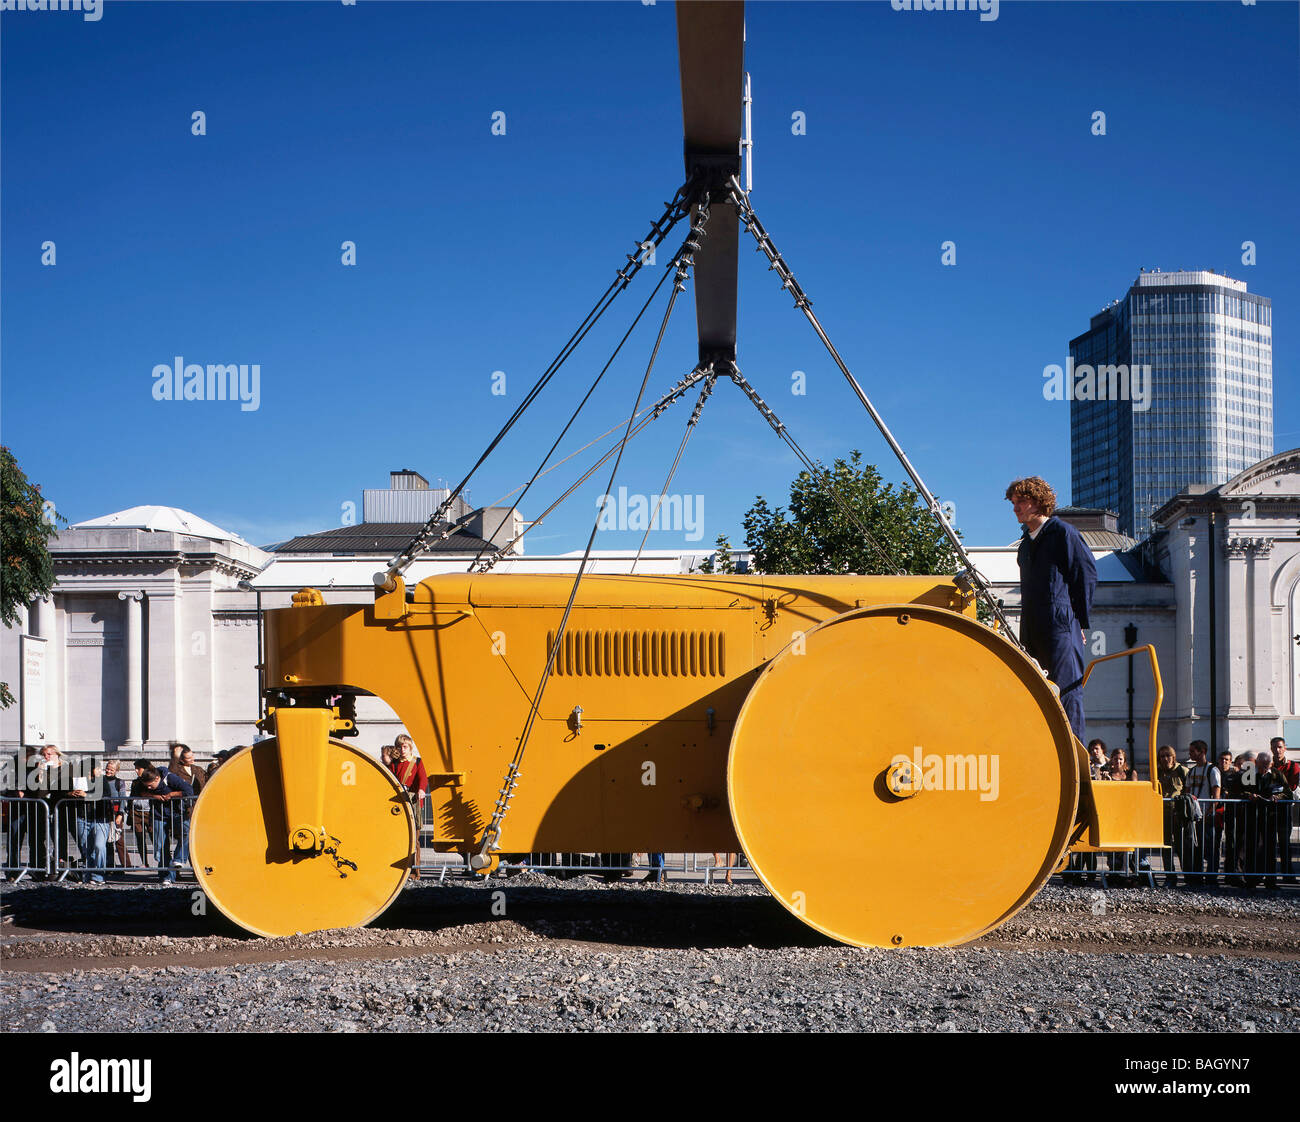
(814, 535)
(720, 560)
(26, 526)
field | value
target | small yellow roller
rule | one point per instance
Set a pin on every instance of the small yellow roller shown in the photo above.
(339, 863)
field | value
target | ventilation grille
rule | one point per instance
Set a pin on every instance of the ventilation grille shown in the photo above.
(640, 654)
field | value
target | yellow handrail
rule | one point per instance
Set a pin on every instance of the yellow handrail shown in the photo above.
(1155, 708)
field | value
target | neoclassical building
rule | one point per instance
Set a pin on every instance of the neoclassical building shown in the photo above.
(1232, 555)
(146, 639)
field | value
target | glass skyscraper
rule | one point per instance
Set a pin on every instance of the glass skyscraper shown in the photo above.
(1171, 385)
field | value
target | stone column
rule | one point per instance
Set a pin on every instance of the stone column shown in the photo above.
(1234, 629)
(134, 670)
(167, 677)
(43, 615)
(45, 619)
(1261, 625)
(1189, 681)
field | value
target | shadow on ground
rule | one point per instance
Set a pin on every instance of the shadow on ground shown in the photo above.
(618, 916)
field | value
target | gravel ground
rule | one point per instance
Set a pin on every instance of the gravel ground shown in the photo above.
(580, 956)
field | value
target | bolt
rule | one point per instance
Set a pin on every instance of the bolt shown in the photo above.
(897, 940)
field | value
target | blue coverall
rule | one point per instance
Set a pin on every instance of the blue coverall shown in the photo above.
(1057, 580)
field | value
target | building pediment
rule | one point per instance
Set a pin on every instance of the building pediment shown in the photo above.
(1271, 486)
(1276, 477)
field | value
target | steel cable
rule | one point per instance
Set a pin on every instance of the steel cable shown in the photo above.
(668, 269)
(674, 211)
(492, 832)
(777, 263)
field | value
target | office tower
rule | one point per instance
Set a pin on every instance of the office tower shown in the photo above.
(1171, 385)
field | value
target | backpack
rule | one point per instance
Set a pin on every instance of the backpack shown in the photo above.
(1186, 807)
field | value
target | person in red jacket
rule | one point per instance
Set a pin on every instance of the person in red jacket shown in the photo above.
(409, 769)
(1289, 771)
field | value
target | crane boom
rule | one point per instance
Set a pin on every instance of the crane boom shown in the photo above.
(711, 48)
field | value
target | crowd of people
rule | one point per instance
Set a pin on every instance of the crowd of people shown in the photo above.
(91, 801)
(1232, 817)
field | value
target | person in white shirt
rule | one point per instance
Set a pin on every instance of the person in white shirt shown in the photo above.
(1205, 781)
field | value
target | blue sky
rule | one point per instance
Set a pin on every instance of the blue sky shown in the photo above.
(476, 252)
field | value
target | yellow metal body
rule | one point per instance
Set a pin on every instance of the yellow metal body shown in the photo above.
(658, 666)
(304, 741)
(1122, 816)
(684, 713)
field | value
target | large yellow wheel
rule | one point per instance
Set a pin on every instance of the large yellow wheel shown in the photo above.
(240, 853)
(902, 776)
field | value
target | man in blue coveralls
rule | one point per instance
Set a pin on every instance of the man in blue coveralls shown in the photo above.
(1057, 580)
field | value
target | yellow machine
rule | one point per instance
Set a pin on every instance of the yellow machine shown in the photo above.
(896, 772)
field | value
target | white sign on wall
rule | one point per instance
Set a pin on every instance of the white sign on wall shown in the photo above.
(33, 695)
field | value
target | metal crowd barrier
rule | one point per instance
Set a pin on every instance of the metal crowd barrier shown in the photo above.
(1243, 841)
(26, 832)
(151, 829)
(617, 866)
(107, 837)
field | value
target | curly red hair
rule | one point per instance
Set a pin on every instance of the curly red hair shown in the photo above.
(1037, 490)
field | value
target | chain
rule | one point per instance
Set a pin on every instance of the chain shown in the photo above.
(970, 578)
(491, 840)
(705, 391)
(572, 418)
(433, 532)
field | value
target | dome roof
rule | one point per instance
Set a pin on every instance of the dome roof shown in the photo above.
(168, 519)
